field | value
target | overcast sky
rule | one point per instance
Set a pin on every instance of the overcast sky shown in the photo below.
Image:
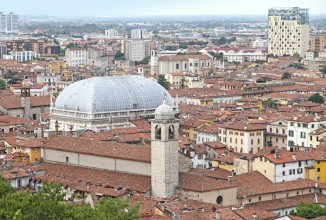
(119, 8)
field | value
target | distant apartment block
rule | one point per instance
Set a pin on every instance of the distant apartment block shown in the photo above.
(288, 31)
(76, 56)
(244, 56)
(183, 63)
(3, 49)
(111, 33)
(8, 24)
(140, 34)
(318, 43)
(21, 56)
(260, 43)
(137, 50)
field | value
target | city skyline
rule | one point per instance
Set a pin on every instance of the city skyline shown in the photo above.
(104, 8)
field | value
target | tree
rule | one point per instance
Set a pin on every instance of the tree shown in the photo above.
(144, 61)
(270, 103)
(307, 210)
(163, 82)
(5, 187)
(296, 55)
(316, 98)
(2, 84)
(323, 70)
(116, 209)
(119, 56)
(48, 205)
(286, 75)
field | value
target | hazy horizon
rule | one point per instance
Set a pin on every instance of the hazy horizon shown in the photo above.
(139, 8)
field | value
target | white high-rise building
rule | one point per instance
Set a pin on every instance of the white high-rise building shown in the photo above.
(288, 31)
(3, 23)
(136, 34)
(140, 34)
(12, 23)
(8, 23)
(111, 33)
(137, 50)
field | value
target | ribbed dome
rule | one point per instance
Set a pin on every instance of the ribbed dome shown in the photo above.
(112, 93)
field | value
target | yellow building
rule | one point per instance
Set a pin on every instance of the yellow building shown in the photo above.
(30, 147)
(316, 136)
(57, 66)
(176, 80)
(225, 163)
(243, 137)
(318, 174)
(189, 126)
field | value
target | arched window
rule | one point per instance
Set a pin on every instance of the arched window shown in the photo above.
(171, 132)
(158, 132)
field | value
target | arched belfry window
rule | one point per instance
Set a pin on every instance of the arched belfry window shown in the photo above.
(171, 132)
(158, 132)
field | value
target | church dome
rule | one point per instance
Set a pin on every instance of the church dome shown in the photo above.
(164, 112)
(112, 93)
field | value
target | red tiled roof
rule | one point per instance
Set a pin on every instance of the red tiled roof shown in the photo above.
(201, 183)
(99, 148)
(184, 57)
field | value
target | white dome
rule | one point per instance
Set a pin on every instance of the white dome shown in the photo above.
(164, 111)
(112, 93)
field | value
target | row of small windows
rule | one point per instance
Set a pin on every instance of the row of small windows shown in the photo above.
(177, 66)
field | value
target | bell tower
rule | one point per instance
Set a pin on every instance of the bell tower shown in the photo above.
(164, 153)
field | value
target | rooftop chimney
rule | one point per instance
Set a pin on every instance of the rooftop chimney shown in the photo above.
(277, 155)
(254, 216)
(218, 215)
(294, 157)
(56, 128)
(230, 179)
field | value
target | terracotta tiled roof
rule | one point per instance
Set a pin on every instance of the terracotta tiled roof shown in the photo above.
(101, 180)
(255, 183)
(13, 102)
(287, 156)
(99, 148)
(31, 143)
(248, 214)
(184, 57)
(287, 202)
(246, 126)
(201, 183)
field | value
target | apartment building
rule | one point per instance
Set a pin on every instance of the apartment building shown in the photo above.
(288, 31)
(318, 43)
(3, 49)
(299, 128)
(207, 133)
(183, 63)
(280, 165)
(140, 34)
(244, 56)
(76, 56)
(137, 49)
(21, 56)
(111, 33)
(243, 137)
(8, 23)
(276, 134)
